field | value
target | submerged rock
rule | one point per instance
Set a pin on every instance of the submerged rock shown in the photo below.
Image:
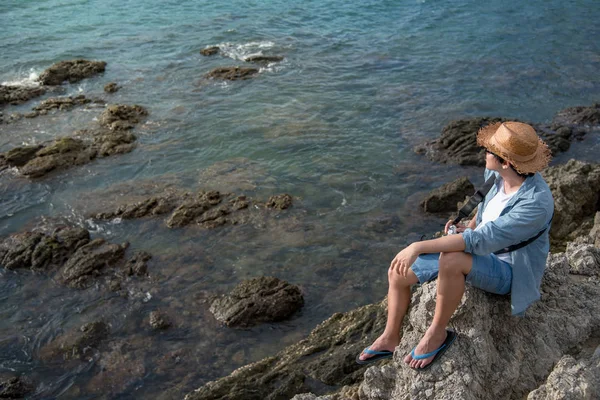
(15, 388)
(210, 51)
(446, 197)
(77, 343)
(111, 138)
(257, 300)
(159, 321)
(111, 87)
(263, 59)
(69, 252)
(19, 94)
(232, 73)
(122, 116)
(280, 201)
(89, 261)
(208, 209)
(63, 103)
(71, 71)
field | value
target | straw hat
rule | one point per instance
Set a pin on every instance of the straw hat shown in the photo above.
(517, 143)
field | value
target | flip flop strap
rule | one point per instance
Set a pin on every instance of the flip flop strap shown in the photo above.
(374, 352)
(427, 355)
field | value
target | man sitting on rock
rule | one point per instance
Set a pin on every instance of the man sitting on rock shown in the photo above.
(502, 251)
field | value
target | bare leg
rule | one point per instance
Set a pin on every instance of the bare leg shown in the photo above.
(398, 301)
(450, 289)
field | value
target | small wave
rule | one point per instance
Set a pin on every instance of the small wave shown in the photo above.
(242, 51)
(31, 80)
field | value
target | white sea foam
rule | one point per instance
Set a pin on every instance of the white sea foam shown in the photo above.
(242, 51)
(28, 81)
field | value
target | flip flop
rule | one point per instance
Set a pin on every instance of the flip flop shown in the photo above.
(377, 355)
(450, 338)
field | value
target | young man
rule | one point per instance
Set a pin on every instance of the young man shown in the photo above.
(513, 219)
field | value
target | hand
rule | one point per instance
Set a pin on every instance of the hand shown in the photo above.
(404, 260)
(460, 227)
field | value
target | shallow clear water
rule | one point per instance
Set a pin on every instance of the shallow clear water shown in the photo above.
(333, 125)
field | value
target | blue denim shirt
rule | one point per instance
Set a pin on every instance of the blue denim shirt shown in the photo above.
(528, 212)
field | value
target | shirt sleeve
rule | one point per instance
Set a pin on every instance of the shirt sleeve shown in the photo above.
(525, 220)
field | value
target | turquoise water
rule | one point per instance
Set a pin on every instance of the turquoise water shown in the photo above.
(333, 125)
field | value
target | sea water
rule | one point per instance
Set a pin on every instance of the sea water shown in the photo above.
(333, 124)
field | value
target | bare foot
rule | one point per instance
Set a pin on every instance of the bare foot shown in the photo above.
(432, 340)
(380, 344)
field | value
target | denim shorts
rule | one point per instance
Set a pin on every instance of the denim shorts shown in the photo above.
(488, 272)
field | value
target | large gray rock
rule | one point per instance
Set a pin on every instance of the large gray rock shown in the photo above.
(580, 115)
(256, 300)
(496, 355)
(572, 379)
(576, 190)
(71, 71)
(446, 197)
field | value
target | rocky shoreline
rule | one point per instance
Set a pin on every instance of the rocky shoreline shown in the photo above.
(491, 355)
(494, 354)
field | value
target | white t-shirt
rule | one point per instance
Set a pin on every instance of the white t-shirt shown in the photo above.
(493, 210)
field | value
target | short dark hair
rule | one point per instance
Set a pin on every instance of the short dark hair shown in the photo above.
(501, 160)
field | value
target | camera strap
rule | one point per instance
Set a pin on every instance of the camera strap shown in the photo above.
(474, 201)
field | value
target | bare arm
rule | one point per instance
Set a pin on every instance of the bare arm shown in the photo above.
(403, 260)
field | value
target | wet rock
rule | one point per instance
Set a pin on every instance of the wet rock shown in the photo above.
(38, 251)
(111, 87)
(77, 343)
(581, 115)
(121, 116)
(322, 361)
(263, 59)
(111, 138)
(155, 205)
(458, 143)
(571, 379)
(71, 71)
(210, 51)
(19, 94)
(446, 197)
(138, 264)
(62, 103)
(15, 388)
(232, 73)
(264, 299)
(192, 209)
(114, 142)
(62, 153)
(121, 367)
(576, 190)
(159, 321)
(20, 156)
(280, 202)
(89, 261)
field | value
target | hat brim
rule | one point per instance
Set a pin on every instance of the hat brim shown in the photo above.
(536, 164)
